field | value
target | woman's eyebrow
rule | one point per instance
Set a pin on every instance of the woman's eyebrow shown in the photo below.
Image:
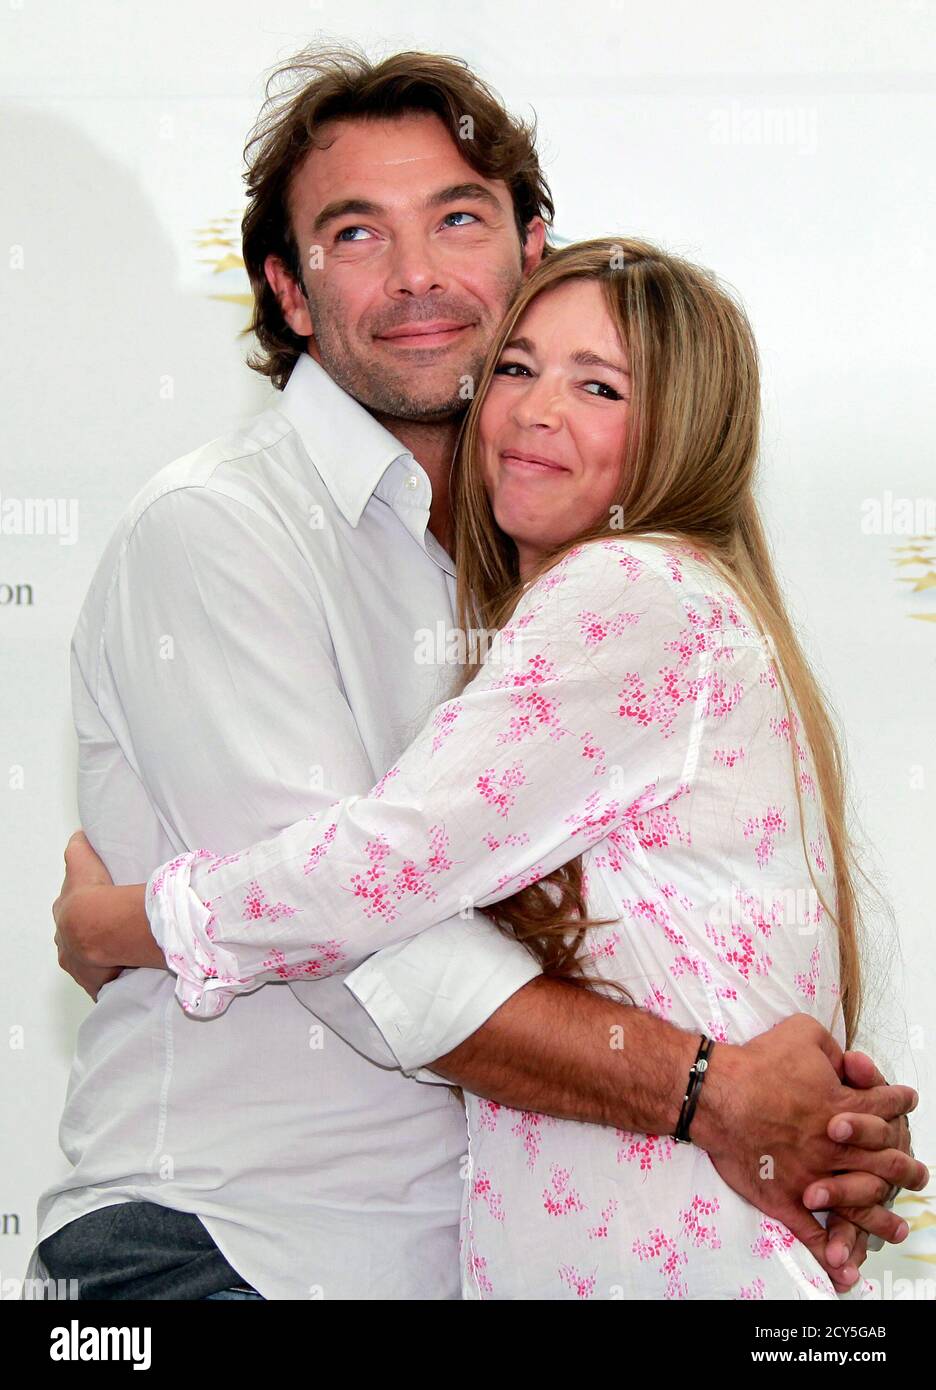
(582, 357)
(585, 358)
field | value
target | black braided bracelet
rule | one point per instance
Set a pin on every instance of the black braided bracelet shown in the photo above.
(693, 1088)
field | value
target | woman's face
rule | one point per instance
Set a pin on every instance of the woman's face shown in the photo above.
(553, 422)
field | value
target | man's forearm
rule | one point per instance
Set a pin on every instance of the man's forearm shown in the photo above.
(558, 1049)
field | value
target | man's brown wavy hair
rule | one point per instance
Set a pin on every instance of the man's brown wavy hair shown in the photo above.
(334, 83)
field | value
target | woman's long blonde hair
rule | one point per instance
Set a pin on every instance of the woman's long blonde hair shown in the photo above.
(688, 469)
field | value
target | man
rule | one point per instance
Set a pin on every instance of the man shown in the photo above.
(246, 655)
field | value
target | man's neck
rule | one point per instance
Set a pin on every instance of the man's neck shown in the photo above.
(432, 444)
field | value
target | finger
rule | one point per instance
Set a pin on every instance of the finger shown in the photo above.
(846, 1251)
(849, 1273)
(832, 1050)
(898, 1169)
(807, 1229)
(877, 1221)
(846, 1190)
(861, 1071)
(866, 1131)
(842, 1235)
(886, 1101)
(75, 839)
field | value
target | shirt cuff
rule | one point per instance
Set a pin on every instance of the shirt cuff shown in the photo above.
(181, 924)
(429, 994)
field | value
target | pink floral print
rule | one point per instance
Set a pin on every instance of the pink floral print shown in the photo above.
(630, 712)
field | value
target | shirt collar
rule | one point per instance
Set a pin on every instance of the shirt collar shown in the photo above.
(349, 448)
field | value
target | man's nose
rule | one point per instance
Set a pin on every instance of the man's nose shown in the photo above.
(413, 268)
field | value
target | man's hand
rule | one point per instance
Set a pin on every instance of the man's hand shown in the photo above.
(767, 1125)
(83, 871)
(849, 1225)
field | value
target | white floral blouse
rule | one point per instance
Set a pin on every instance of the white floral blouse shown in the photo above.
(630, 712)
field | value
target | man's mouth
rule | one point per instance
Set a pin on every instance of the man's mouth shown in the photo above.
(531, 463)
(435, 333)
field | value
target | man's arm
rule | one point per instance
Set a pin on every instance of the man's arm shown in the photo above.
(766, 1114)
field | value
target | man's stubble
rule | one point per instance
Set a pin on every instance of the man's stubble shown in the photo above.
(399, 392)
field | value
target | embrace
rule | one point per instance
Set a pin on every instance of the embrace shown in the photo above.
(533, 975)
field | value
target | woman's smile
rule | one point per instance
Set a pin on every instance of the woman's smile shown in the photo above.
(553, 424)
(532, 465)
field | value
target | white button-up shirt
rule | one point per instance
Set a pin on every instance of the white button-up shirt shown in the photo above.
(249, 650)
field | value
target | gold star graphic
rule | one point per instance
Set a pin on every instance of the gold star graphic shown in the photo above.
(228, 262)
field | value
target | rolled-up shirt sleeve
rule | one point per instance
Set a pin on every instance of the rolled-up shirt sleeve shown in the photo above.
(578, 725)
(427, 995)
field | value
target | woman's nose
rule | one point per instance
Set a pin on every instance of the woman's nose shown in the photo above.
(538, 404)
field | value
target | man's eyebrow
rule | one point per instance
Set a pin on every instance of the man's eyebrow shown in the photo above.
(583, 357)
(344, 207)
(363, 207)
(476, 192)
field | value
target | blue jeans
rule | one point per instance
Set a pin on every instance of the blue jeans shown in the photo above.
(140, 1250)
(234, 1293)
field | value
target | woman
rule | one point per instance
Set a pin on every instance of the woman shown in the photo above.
(640, 778)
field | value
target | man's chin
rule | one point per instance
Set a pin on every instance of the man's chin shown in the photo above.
(419, 394)
(428, 411)
(403, 403)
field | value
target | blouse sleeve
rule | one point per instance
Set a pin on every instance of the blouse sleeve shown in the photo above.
(579, 723)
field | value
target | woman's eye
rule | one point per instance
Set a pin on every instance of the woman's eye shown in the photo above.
(605, 390)
(460, 214)
(343, 235)
(510, 369)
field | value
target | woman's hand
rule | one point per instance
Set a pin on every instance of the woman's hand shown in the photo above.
(100, 927)
(84, 871)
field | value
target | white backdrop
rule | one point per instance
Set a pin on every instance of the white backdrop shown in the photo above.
(788, 147)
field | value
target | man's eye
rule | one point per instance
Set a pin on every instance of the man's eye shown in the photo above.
(604, 389)
(347, 233)
(449, 215)
(510, 369)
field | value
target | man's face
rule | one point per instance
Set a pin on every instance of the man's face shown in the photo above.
(419, 258)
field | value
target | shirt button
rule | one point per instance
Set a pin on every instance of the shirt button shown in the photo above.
(411, 481)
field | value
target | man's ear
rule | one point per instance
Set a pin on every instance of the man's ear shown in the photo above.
(289, 296)
(533, 246)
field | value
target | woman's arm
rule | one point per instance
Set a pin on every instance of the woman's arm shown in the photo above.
(580, 723)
